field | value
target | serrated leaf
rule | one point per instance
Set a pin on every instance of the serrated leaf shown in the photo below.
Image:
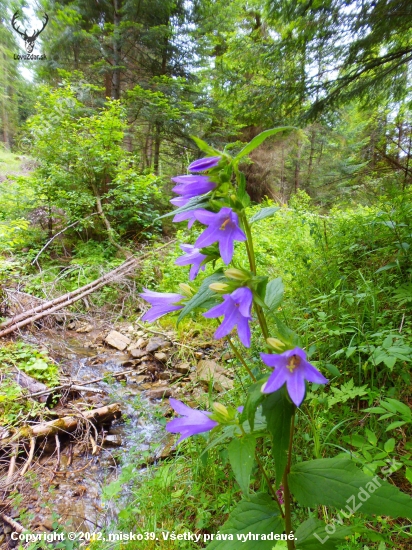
(274, 294)
(258, 515)
(253, 400)
(206, 148)
(203, 294)
(278, 411)
(311, 535)
(338, 482)
(256, 141)
(264, 213)
(242, 457)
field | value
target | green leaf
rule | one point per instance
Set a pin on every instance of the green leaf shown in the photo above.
(338, 482)
(400, 407)
(256, 141)
(311, 535)
(274, 294)
(263, 213)
(332, 369)
(206, 148)
(193, 204)
(203, 294)
(253, 400)
(395, 425)
(242, 457)
(278, 411)
(389, 445)
(258, 515)
(408, 475)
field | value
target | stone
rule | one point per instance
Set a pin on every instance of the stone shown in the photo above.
(198, 354)
(164, 376)
(141, 343)
(87, 327)
(117, 340)
(140, 333)
(159, 393)
(160, 356)
(157, 343)
(227, 356)
(114, 440)
(183, 368)
(138, 353)
(208, 370)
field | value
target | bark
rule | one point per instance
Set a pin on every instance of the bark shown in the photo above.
(116, 50)
(64, 425)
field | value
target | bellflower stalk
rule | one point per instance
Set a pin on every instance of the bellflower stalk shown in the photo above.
(223, 227)
(162, 302)
(192, 256)
(236, 308)
(292, 368)
(193, 421)
(203, 164)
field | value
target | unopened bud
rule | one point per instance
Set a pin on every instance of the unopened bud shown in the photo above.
(186, 289)
(276, 344)
(221, 410)
(218, 287)
(237, 274)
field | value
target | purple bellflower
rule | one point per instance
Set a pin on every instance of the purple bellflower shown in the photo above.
(180, 201)
(162, 302)
(183, 216)
(193, 186)
(292, 368)
(193, 421)
(204, 164)
(192, 256)
(237, 311)
(223, 228)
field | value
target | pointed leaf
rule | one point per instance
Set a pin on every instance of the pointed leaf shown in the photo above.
(253, 400)
(242, 457)
(274, 294)
(203, 294)
(206, 148)
(264, 213)
(338, 482)
(278, 411)
(256, 141)
(258, 515)
(311, 535)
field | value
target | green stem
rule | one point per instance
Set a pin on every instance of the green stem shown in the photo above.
(240, 358)
(269, 484)
(286, 492)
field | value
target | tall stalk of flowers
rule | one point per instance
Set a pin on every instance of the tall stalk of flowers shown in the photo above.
(213, 196)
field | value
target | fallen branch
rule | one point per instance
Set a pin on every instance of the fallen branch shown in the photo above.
(46, 308)
(30, 458)
(64, 425)
(13, 523)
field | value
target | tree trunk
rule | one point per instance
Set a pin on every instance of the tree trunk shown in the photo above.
(116, 50)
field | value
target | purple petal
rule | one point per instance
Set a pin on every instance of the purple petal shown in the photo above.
(274, 360)
(244, 297)
(296, 387)
(180, 201)
(243, 331)
(228, 324)
(205, 217)
(312, 374)
(208, 237)
(226, 249)
(240, 409)
(158, 311)
(191, 180)
(204, 164)
(217, 311)
(275, 381)
(194, 189)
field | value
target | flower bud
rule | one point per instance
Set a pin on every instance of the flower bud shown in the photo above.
(276, 344)
(186, 289)
(219, 287)
(237, 274)
(221, 410)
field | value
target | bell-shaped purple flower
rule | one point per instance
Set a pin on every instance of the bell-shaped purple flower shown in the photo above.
(193, 421)
(162, 302)
(180, 201)
(292, 368)
(192, 256)
(223, 228)
(203, 164)
(236, 308)
(193, 186)
(183, 216)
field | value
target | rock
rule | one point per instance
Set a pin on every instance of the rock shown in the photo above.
(159, 393)
(140, 333)
(160, 356)
(164, 376)
(113, 439)
(117, 340)
(198, 354)
(130, 328)
(157, 343)
(138, 353)
(227, 355)
(183, 368)
(141, 343)
(87, 327)
(208, 370)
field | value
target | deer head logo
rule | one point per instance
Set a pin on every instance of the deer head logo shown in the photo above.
(28, 40)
